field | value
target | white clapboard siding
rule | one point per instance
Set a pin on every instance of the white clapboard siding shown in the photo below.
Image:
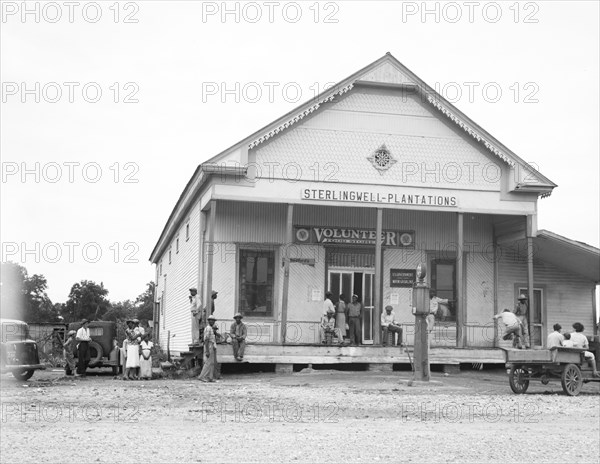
(334, 142)
(182, 274)
(567, 296)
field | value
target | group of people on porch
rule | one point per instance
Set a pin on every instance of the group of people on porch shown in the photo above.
(343, 321)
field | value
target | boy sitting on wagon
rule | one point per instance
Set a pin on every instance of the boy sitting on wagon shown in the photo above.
(581, 341)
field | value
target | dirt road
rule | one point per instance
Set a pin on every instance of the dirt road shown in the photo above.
(320, 416)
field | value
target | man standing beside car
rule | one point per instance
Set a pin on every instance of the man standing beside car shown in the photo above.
(83, 348)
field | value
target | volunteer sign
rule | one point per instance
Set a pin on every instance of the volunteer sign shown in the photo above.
(402, 277)
(350, 236)
(365, 196)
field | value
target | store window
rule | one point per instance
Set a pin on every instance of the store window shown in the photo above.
(443, 282)
(257, 271)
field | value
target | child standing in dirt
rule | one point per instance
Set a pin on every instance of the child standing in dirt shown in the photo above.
(146, 358)
(68, 350)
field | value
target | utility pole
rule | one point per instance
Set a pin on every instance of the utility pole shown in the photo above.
(421, 310)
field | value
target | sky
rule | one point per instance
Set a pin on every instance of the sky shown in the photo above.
(108, 107)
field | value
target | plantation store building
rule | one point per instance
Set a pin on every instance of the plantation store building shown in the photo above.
(296, 208)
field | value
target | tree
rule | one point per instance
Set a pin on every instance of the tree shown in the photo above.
(12, 298)
(25, 297)
(120, 311)
(86, 300)
(145, 303)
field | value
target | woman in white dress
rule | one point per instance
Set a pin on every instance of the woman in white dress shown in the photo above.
(133, 351)
(340, 315)
(146, 358)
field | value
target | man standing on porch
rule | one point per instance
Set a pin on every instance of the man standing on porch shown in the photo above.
(195, 310)
(522, 310)
(354, 320)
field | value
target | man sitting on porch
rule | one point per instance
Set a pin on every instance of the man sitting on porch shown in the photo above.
(513, 327)
(388, 324)
(328, 329)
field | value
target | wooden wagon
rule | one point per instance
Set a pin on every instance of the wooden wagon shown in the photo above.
(566, 364)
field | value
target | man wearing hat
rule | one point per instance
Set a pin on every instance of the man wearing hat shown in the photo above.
(327, 328)
(238, 332)
(196, 312)
(355, 310)
(389, 324)
(522, 311)
(83, 348)
(210, 352)
(69, 353)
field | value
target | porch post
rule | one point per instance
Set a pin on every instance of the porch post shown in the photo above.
(594, 311)
(377, 281)
(286, 270)
(530, 277)
(496, 274)
(210, 251)
(461, 334)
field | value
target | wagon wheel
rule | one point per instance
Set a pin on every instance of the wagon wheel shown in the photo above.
(571, 380)
(518, 379)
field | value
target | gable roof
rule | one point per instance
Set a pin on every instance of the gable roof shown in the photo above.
(386, 71)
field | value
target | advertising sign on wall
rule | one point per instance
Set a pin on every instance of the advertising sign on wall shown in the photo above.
(402, 277)
(351, 236)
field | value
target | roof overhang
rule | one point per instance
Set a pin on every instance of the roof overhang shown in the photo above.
(187, 198)
(563, 253)
(570, 255)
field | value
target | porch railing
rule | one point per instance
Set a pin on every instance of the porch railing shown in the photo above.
(307, 333)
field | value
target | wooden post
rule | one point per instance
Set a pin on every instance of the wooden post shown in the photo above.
(377, 281)
(530, 276)
(286, 270)
(496, 274)
(201, 226)
(211, 252)
(460, 307)
(594, 311)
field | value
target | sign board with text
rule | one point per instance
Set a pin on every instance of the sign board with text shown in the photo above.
(402, 277)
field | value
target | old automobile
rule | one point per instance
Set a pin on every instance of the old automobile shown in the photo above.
(18, 353)
(104, 350)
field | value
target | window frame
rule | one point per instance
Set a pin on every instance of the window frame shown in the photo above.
(271, 313)
(433, 263)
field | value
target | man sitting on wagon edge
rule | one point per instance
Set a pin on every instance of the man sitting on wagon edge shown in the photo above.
(580, 341)
(513, 327)
(555, 338)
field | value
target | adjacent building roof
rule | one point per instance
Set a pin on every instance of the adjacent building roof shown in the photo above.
(573, 256)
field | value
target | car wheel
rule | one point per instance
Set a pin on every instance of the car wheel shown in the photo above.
(23, 374)
(96, 354)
